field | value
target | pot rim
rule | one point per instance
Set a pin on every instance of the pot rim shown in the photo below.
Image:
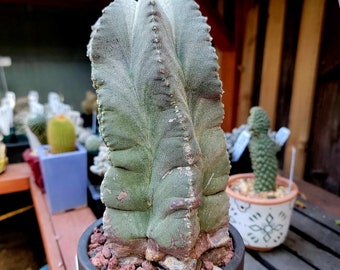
(279, 179)
(84, 262)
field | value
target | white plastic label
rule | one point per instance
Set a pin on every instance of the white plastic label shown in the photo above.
(240, 145)
(282, 136)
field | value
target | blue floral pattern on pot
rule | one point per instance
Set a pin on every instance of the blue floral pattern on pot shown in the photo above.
(262, 223)
(261, 226)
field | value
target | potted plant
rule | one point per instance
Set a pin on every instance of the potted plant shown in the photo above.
(63, 164)
(3, 157)
(160, 111)
(36, 125)
(261, 202)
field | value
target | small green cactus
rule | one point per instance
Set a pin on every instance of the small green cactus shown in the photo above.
(61, 134)
(92, 143)
(37, 123)
(262, 151)
(160, 111)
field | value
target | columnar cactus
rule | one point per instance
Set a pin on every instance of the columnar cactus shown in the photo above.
(159, 110)
(262, 151)
(61, 134)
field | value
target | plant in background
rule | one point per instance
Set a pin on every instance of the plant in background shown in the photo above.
(3, 157)
(160, 111)
(232, 137)
(89, 104)
(101, 162)
(93, 142)
(262, 151)
(261, 201)
(37, 123)
(61, 134)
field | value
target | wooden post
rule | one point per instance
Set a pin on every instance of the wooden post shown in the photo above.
(304, 81)
(271, 68)
(247, 68)
(229, 61)
(228, 74)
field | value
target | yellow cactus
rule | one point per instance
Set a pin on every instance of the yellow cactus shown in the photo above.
(61, 134)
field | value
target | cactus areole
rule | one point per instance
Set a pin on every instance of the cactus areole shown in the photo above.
(155, 72)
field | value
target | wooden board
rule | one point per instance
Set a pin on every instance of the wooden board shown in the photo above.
(318, 197)
(68, 227)
(311, 253)
(280, 259)
(15, 178)
(304, 81)
(303, 225)
(271, 69)
(247, 68)
(60, 232)
(52, 252)
(251, 263)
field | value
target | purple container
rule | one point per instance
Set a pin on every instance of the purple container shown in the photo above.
(65, 178)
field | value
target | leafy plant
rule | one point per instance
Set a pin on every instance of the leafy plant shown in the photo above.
(159, 109)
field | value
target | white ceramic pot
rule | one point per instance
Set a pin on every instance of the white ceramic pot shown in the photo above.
(262, 223)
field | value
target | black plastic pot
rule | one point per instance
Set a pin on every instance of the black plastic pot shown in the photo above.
(84, 262)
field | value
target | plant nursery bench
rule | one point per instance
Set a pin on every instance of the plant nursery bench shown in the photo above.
(313, 241)
(60, 232)
(15, 178)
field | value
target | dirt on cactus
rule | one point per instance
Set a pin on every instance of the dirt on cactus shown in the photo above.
(245, 187)
(101, 257)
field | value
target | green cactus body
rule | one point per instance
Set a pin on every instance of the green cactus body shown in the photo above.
(61, 134)
(159, 112)
(262, 151)
(37, 123)
(92, 143)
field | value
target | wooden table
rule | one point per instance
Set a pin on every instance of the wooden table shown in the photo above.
(60, 232)
(313, 241)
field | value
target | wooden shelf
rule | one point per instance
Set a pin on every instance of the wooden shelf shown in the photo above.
(15, 178)
(60, 232)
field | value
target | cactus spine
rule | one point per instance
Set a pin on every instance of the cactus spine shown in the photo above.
(159, 109)
(61, 134)
(262, 151)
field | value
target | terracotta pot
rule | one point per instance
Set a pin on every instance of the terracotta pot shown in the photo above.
(262, 223)
(84, 262)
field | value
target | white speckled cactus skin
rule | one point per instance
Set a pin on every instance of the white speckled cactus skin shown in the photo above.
(159, 109)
